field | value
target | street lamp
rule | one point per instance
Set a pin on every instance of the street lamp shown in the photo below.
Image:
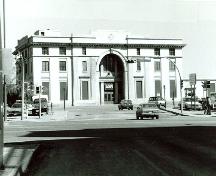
(180, 82)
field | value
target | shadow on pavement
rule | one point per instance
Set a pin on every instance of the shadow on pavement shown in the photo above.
(202, 132)
(89, 149)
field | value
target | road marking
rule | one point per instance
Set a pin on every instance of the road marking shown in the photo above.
(151, 163)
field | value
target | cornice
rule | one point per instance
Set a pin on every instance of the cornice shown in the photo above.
(95, 45)
(109, 45)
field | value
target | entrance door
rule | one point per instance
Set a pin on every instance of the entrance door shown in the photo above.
(108, 97)
(109, 93)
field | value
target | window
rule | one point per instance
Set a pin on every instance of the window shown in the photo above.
(26, 68)
(171, 66)
(26, 53)
(45, 65)
(212, 88)
(31, 67)
(45, 50)
(172, 88)
(157, 51)
(62, 65)
(85, 94)
(138, 51)
(158, 88)
(157, 66)
(84, 50)
(45, 88)
(138, 65)
(63, 91)
(30, 52)
(139, 92)
(172, 51)
(84, 65)
(62, 50)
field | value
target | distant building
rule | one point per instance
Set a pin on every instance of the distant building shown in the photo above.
(102, 68)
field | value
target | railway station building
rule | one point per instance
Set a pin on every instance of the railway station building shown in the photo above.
(103, 67)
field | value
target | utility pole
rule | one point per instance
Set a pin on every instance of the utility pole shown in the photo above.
(1, 106)
(1, 120)
(72, 71)
(39, 102)
(23, 81)
(64, 98)
(5, 98)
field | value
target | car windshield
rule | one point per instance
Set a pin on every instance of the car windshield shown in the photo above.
(149, 105)
(17, 105)
(189, 99)
(126, 101)
(153, 99)
(42, 100)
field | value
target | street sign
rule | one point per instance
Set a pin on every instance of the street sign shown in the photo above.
(192, 79)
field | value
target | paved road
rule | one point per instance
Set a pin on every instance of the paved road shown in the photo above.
(114, 143)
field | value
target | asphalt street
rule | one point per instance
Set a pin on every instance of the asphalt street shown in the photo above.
(111, 142)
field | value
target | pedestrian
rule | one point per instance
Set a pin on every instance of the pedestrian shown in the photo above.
(208, 104)
(205, 107)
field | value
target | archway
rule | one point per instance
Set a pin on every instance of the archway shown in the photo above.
(111, 79)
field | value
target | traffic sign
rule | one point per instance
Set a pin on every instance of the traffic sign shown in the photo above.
(192, 79)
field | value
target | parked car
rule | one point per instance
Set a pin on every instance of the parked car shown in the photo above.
(159, 101)
(147, 110)
(188, 105)
(27, 105)
(125, 104)
(44, 106)
(15, 109)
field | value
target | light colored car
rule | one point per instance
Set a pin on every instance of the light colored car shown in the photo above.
(15, 109)
(188, 105)
(147, 110)
(159, 101)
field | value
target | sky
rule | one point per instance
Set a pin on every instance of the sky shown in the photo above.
(194, 21)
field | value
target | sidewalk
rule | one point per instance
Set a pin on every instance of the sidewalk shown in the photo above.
(16, 159)
(194, 113)
(58, 115)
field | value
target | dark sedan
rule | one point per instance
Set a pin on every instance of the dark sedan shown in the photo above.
(125, 104)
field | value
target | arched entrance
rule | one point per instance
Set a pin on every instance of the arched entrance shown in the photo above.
(111, 79)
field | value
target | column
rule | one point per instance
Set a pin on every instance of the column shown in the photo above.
(165, 77)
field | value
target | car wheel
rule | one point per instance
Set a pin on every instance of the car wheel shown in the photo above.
(157, 117)
(132, 108)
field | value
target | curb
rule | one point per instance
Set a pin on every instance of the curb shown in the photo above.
(176, 113)
(17, 159)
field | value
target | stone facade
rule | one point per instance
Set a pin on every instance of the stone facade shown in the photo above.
(101, 68)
